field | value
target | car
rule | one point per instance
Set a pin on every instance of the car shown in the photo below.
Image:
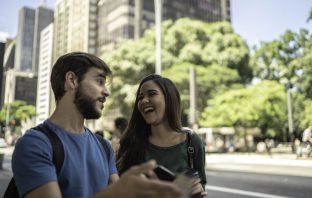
(2, 143)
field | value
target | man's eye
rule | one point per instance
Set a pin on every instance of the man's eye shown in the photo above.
(100, 81)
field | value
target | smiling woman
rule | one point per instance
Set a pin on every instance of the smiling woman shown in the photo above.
(155, 132)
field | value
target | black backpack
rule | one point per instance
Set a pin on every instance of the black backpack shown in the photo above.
(58, 156)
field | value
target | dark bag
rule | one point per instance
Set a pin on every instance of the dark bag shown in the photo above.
(58, 156)
(190, 149)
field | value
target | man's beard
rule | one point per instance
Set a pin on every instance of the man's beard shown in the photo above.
(86, 105)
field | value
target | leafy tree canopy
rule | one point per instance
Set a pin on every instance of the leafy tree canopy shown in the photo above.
(18, 111)
(218, 55)
(249, 107)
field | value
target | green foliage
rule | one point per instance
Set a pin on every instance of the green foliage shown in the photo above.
(219, 56)
(19, 111)
(280, 59)
(306, 118)
(262, 105)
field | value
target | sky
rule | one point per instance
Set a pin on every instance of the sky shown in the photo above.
(254, 20)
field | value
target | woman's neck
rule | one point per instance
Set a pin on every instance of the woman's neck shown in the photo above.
(164, 136)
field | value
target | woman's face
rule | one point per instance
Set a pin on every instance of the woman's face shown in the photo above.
(151, 103)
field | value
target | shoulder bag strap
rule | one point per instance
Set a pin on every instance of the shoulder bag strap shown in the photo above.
(190, 149)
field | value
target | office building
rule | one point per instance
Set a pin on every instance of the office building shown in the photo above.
(44, 92)
(43, 17)
(20, 86)
(75, 26)
(24, 40)
(119, 19)
(2, 49)
(8, 63)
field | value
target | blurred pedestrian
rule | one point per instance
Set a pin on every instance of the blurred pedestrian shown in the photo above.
(121, 124)
(78, 81)
(100, 133)
(155, 132)
(307, 136)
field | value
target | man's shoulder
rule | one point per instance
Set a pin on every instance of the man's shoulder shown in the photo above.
(30, 138)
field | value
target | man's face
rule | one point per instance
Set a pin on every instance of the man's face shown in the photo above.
(91, 94)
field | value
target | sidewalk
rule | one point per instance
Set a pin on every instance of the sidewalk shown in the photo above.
(6, 167)
(283, 164)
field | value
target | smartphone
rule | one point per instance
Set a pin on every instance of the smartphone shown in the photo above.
(163, 173)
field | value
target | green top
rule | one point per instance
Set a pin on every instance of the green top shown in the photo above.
(175, 157)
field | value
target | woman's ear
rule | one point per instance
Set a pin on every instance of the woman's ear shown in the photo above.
(70, 80)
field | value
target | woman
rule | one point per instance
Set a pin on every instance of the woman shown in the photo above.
(155, 132)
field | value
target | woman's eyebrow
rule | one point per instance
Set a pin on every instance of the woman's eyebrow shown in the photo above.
(151, 90)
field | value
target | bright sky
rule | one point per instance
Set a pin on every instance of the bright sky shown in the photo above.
(266, 20)
(254, 20)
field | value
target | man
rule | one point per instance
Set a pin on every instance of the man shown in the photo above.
(307, 136)
(121, 124)
(78, 81)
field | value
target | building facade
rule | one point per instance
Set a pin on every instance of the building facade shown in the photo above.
(20, 86)
(24, 40)
(44, 92)
(75, 26)
(43, 17)
(124, 19)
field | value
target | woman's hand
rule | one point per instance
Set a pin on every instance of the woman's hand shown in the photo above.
(197, 189)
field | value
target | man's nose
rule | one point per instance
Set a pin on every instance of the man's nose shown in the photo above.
(105, 91)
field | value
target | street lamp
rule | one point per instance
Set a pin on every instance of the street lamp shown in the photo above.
(158, 8)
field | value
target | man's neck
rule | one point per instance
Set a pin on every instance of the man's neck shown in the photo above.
(67, 116)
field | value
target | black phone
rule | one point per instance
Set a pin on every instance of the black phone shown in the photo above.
(163, 173)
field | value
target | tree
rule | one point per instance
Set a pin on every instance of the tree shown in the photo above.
(287, 60)
(262, 105)
(279, 60)
(19, 111)
(219, 56)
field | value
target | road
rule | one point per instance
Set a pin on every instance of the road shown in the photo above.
(240, 176)
(253, 175)
(224, 184)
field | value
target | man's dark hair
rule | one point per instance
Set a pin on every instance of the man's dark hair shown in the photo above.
(77, 62)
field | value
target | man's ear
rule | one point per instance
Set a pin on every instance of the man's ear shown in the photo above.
(70, 80)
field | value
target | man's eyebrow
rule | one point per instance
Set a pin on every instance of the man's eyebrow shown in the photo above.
(101, 75)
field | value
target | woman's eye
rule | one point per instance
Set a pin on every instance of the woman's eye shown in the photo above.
(152, 93)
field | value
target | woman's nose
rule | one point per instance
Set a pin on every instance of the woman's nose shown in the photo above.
(145, 100)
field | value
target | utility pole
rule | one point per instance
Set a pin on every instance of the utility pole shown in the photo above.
(158, 13)
(193, 113)
(137, 19)
(290, 113)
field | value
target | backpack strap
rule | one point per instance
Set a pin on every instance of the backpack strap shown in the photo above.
(57, 158)
(57, 147)
(190, 149)
(105, 146)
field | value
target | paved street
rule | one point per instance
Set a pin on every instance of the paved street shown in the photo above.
(251, 175)
(284, 164)
(237, 175)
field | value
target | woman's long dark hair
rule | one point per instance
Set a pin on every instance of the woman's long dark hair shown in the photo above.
(134, 142)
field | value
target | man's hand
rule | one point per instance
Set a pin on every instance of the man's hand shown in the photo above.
(140, 181)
